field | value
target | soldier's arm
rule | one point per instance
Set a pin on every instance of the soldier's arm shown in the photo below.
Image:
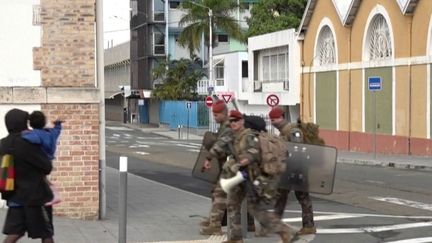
(220, 147)
(251, 152)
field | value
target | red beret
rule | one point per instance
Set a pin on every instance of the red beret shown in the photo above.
(276, 112)
(219, 106)
(235, 114)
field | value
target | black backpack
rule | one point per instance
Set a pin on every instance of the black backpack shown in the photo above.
(256, 123)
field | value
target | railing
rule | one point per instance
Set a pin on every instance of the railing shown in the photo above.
(271, 85)
(202, 87)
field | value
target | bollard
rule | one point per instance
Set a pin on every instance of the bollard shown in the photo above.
(179, 131)
(122, 199)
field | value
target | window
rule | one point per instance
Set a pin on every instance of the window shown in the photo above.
(174, 4)
(219, 74)
(275, 64)
(244, 69)
(380, 44)
(326, 47)
(222, 38)
(159, 13)
(159, 44)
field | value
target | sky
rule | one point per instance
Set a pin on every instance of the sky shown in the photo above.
(116, 22)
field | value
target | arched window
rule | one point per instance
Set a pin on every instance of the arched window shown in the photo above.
(379, 40)
(326, 47)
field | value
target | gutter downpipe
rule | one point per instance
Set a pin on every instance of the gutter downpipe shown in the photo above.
(101, 86)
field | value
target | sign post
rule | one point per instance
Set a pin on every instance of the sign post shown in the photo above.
(188, 106)
(374, 85)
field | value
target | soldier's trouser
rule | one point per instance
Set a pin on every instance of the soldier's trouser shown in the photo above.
(219, 205)
(268, 220)
(306, 204)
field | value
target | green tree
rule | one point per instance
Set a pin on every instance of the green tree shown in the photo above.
(196, 22)
(274, 15)
(179, 79)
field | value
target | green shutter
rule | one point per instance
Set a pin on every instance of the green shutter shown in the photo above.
(326, 100)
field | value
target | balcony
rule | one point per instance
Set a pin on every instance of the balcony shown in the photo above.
(271, 85)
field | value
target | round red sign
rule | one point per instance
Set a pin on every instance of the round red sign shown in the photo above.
(209, 101)
(272, 100)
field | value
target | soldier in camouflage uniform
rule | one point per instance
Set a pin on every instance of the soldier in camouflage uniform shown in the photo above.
(286, 132)
(247, 155)
(213, 224)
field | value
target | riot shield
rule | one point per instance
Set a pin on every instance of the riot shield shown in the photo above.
(310, 168)
(210, 175)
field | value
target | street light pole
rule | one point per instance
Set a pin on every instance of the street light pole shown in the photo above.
(211, 84)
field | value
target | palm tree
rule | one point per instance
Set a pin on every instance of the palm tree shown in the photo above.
(196, 22)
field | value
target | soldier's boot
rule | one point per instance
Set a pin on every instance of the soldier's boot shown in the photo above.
(211, 230)
(262, 232)
(205, 222)
(286, 235)
(306, 231)
(233, 241)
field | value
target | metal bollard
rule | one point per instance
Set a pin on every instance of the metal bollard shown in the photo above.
(122, 199)
(179, 131)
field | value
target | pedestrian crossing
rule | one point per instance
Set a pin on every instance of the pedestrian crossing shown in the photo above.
(121, 137)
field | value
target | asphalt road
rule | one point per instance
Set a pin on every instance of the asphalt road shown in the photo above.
(369, 204)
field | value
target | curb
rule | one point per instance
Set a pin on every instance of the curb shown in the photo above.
(384, 164)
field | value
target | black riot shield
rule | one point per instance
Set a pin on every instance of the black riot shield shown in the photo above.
(210, 175)
(310, 168)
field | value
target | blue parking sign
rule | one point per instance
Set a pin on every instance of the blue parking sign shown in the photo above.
(375, 83)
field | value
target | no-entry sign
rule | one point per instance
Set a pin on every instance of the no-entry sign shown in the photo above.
(209, 101)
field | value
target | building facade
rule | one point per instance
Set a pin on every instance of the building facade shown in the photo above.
(351, 47)
(48, 64)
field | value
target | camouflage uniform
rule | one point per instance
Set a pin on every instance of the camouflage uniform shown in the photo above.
(219, 150)
(246, 145)
(302, 197)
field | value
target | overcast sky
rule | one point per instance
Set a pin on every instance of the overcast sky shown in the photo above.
(116, 21)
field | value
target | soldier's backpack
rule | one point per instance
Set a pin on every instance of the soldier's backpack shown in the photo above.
(310, 132)
(273, 153)
(255, 123)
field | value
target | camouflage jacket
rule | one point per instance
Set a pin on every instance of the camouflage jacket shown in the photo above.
(284, 129)
(220, 149)
(246, 146)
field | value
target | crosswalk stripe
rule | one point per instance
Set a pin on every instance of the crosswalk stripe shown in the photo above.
(413, 240)
(404, 202)
(323, 217)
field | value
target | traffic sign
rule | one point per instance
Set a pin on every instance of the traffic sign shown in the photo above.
(188, 105)
(272, 100)
(375, 83)
(209, 101)
(226, 96)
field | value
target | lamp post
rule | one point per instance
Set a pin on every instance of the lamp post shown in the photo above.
(210, 15)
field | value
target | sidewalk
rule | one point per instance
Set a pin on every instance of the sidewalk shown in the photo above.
(156, 213)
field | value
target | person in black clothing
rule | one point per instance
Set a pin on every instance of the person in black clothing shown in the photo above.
(26, 212)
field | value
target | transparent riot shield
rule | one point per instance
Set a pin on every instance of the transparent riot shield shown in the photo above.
(310, 168)
(210, 175)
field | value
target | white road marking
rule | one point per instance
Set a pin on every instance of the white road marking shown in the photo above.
(186, 145)
(404, 202)
(374, 229)
(194, 150)
(366, 215)
(142, 153)
(192, 144)
(116, 135)
(151, 138)
(324, 217)
(413, 240)
(119, 128)
(375, 182)
(139, 146)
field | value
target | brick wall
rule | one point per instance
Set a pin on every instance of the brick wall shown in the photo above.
(77, 158)
(67, 54)
(66, 59)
